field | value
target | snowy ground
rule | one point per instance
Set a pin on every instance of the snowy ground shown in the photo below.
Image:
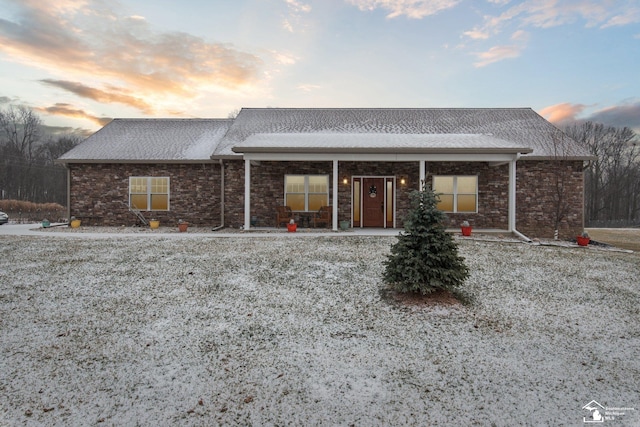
(272, 330)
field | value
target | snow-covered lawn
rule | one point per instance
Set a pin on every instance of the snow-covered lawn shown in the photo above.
(281, 331)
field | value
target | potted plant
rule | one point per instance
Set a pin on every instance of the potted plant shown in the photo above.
(466, 228)
(75, 223)
(292, 226)
(154, 223)
(182, 225)
(583, 239)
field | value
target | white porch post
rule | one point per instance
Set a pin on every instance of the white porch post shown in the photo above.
(247, 194)
(423, 174)
(512, 195)
(334, 214)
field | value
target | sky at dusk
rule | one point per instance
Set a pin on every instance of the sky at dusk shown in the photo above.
(79, 63)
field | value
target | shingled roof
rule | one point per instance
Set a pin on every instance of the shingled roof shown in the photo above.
(356, 130)
(151, 141)
(515, 127)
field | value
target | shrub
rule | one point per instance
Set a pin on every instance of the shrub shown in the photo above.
(425, 257)
(24, 211)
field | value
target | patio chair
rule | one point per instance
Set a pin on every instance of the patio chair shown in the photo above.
(323, 216)
(283, 215)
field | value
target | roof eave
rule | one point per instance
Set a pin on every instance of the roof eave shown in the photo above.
(370, 150)
(133, 161)
(567, 158)
(217, 157)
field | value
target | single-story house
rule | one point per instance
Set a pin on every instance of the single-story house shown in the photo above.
(504, 169)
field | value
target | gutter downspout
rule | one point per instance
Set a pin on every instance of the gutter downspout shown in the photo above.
(521, 236)
(247, 194)
(512, 200)
(66, 166)
(221, 197)
(334, 213)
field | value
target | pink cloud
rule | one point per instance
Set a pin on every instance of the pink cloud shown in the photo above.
(67, 110)
(495, 54)
(416, 9)
(561, 114)
(106, 46)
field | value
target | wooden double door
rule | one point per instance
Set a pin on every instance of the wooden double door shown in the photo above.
(374, 201)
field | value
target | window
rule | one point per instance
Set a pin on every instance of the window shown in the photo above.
(149, 193)
(306, 192)
(456, 193)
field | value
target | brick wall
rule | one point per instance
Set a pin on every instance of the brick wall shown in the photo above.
(537, 197)
(493, 193)
(234, 193)
(98, 192)
(409, 170)
(267, 188)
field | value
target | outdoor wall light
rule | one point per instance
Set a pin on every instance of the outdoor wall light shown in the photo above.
(345, 180)
(403, 180)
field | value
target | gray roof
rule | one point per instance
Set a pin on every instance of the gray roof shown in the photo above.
(151, 140)
(375, 143)
(309, 130)
(520, 127)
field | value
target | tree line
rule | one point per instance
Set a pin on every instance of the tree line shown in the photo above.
(612, 180)
(27, 154)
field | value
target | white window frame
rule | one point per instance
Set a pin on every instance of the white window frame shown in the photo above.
(306, 188)
(150, 193)
(455, 191)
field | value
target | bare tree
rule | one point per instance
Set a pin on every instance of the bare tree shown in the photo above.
(612, 187)
(20, 129)
(27, 171)
(562, 147)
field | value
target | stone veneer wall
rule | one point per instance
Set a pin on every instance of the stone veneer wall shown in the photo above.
(234, 193)
(411, 171)
(98, 192)
(493, 193)
(267, 192)
(536, 197)
(267, 186)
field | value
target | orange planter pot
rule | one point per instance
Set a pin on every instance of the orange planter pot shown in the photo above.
(583, 241)
(291, 228)
(183, 226)
(466, 231)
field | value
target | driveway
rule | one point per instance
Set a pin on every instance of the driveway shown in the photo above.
(61, 230)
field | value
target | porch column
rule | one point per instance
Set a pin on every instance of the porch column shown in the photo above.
(423, 174)
(512, 195)
(247, 194)
(334, 214)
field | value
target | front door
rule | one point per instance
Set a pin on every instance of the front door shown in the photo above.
(373, 202)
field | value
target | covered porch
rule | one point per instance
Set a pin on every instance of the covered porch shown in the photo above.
(375, 172)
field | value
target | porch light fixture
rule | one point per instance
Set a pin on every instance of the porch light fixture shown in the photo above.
(345, 180)
(403, 180)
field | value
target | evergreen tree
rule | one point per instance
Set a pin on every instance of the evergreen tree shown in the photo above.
(425, 257)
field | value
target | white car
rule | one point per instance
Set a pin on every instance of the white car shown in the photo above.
(4, 218)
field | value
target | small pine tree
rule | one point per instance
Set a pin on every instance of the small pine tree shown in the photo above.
(425, 257)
